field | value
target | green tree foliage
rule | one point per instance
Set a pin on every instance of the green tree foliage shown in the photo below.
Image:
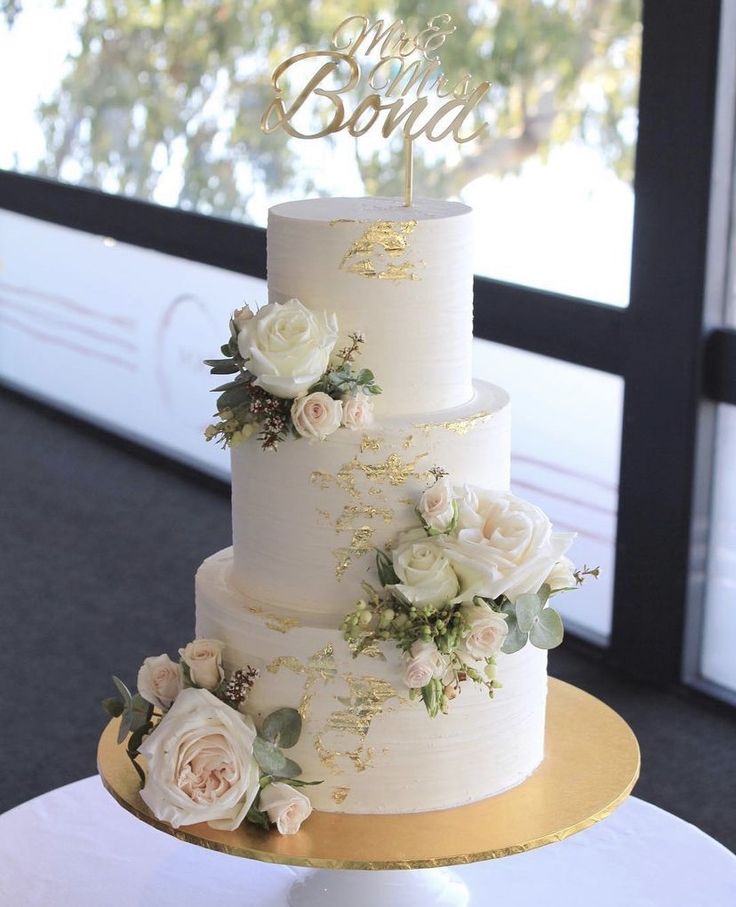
(156, 83)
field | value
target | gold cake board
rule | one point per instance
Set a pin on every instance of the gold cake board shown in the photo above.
(590, 766)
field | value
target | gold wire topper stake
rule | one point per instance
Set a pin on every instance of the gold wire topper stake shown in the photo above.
(405, 81)
(408, 172)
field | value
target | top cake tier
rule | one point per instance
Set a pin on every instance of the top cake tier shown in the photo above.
(401, 276)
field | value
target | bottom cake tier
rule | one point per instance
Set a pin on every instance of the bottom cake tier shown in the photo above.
(375, 750)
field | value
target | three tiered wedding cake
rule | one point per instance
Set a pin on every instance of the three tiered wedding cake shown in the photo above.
(419, 474)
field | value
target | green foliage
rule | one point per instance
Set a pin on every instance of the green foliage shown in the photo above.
(136, 711)
(272, 761)
(141, 74)
(282, 728)
(256, 817)
(529, 619)
(384, 565)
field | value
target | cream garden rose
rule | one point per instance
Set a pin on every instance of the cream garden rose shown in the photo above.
(287, 347)
(425, 663)
(486, 631)
(159, 681)
(285, 806)
(203, 657)
(200, 764)
(426, 578)
(437, 506)
(504, 545)
(316, 416)
(357, 411)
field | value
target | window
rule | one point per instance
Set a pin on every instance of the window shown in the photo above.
(158, 177)
(161, 101)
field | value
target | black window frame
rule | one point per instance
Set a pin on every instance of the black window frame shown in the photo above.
(668, 425)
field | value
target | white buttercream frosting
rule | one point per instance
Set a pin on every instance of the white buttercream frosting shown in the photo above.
(377, 751)
(401, 276)
(306, 519)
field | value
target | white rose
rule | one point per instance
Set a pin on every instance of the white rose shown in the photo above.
(200, 764)
(562, 575)
(357, 411)
(486, 631)
(426, 578)
(159, 681)
(437, 506)
(425, 663)
(316, 415)
(504, 545)
(287, 347)
(203, 657)
(287, 807)
(241, 316)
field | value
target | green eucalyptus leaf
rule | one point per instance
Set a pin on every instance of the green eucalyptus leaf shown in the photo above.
(527, 610)
(282, 728)
(386, 573)
(365, 376)
(140, 712)
(230, 384)
(516, 638)
(544, 594)
(372, 389)
(123, 690)
(113, 706)
(272, 761)
(547, 632)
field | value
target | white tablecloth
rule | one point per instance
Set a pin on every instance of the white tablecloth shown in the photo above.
(75, 847)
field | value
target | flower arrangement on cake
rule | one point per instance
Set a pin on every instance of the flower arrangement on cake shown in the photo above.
(205, 759)
(475, 578)
(286, 383)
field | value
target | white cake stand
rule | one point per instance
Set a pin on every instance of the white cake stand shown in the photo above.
(591, 765)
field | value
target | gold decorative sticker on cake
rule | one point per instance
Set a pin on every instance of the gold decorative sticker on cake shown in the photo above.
(380, 251)
(458, 426)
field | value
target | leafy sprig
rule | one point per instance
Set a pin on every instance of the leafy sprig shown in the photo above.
(244, 409)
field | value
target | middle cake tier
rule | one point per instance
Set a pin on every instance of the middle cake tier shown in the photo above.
(308, 518)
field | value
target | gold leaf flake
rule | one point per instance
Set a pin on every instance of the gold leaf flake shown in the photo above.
(368, 443)
(275, 621)
(350, 512)
(459, 426)
(365, 701)
(407, 442)
(381, 240)
(372, 650)
(281, 624)
(339, 794)
(320, 666)
(323, 479)
(360, 543)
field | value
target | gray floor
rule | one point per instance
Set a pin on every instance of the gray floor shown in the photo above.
(99, 543)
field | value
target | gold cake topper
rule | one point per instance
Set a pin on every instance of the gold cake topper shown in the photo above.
(405, 81)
